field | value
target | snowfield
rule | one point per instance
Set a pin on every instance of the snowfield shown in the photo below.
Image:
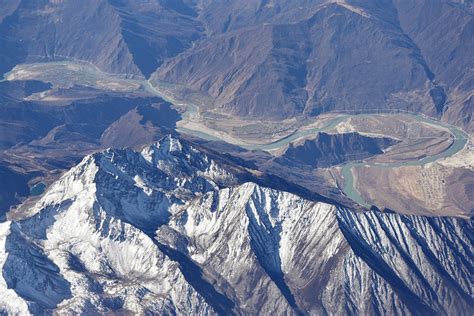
(168, 230)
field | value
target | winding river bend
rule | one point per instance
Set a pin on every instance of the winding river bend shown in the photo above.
(84, 73)
(459, 141)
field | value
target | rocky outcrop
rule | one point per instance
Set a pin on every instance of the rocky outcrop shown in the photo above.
(332, 149)
(170, 230)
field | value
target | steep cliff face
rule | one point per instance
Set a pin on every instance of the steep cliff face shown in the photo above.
(170, 230)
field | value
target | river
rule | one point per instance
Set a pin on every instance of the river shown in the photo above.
(88, 74)
(459, 141)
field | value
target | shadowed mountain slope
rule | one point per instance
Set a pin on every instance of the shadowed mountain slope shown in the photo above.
(170, 230)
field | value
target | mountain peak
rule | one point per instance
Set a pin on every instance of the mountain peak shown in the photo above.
(170, 144)
(133, 231)
(170, 151)
(139, 187)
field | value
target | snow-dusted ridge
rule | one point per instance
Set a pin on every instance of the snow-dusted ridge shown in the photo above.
(170, 230)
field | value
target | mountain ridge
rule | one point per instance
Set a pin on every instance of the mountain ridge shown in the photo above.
(142, 238)
(206, 157)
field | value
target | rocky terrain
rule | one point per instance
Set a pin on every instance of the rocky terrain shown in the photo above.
(297, 58)
(211, 157)
(124, 37)
(37, 137)
(170, 230)
(332, 149)
(350, 55)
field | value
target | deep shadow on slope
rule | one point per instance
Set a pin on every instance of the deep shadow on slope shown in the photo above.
(32, 275)
(193, 274)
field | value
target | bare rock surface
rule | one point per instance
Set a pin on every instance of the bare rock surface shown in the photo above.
(170, 230)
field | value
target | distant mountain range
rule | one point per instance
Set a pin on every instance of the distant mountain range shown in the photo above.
(270, 204)
(356, 56)
(272, 59)
(128, 37)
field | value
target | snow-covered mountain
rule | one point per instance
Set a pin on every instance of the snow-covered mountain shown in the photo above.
(169, 230)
